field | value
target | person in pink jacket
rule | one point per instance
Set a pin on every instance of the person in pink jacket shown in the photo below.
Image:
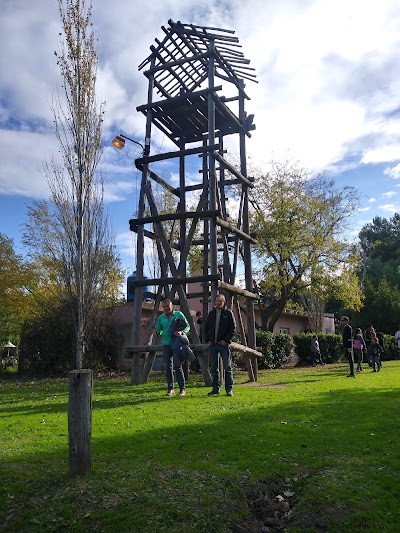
(358, 348)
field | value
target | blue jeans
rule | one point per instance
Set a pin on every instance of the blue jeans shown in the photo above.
(169, 369)
(376, 362)
(217, 350)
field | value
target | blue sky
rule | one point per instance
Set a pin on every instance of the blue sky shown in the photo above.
(328, 94)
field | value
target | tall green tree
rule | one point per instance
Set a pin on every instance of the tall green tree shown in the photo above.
(380, 250)
(379, 253)
(300, 224)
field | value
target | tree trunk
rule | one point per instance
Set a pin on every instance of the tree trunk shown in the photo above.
(80, 422)
(270, 314)
(276, 313)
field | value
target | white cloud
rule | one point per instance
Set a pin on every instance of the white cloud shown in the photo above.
(390, 208)
(21, 163)
(389, 194)
(382, 154)
(393, 172)
(117, 191)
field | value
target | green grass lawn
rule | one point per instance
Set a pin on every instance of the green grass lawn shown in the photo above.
(303, 450)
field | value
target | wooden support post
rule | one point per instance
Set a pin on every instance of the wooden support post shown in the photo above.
(80, 422)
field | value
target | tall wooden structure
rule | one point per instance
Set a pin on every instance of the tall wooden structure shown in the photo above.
(186, 73)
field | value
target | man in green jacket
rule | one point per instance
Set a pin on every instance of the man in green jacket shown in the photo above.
(162, 328)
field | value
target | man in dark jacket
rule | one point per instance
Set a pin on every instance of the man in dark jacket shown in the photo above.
(347, 337)
(218, 332)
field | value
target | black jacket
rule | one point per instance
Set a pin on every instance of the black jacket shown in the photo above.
(226, 327)
(347, 337)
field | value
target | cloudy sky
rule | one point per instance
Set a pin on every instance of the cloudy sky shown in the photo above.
(328, 93)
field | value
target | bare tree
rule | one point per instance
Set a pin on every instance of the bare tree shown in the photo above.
(83, 236)
(315, 309)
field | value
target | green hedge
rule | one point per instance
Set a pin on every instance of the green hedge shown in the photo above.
(390, 350)
(330, 345)
(331, 348)
(276, 349)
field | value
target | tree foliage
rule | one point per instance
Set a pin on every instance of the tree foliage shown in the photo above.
(15, 279)
(299, 224)
(379, 253)
(380, 250)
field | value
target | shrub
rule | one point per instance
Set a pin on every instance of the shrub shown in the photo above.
(391, 351)
(276, 349)
(331, 347)
(47, 345)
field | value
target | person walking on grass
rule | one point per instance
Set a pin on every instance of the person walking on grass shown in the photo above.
(367, 337)
(376, 350)
(347, 337)
(315, 351)
(358, 348)
(163, 328)
(218, 332)
(397, 337)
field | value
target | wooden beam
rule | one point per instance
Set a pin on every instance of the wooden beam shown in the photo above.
(135, 222)
(234, 229)
(172, 281)
(169, 155)
(232, 169)
(171, 102)
(130, 351)
(244, 349)
(237, 290)
(154, 237)
(162, 182)
(176, 63)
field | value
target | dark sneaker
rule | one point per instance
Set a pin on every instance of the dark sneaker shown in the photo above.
(213, 393)
(229, 393)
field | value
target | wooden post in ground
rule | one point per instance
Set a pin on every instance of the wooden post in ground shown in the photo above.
(80, 422)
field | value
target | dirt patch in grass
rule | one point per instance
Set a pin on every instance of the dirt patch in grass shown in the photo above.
(258, 384)
(269, 502)
(275, 507)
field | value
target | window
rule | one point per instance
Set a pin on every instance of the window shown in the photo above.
(285, 331)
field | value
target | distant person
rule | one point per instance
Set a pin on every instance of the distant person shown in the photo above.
(347, 338)
(376, 351)
(163, 328)
(381, 340)
(218, 332)
(367, 338)
(358, 348)
(315, 351)
(199, 316)
(397, 337)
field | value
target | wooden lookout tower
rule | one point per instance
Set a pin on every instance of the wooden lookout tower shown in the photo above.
(187, 71)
